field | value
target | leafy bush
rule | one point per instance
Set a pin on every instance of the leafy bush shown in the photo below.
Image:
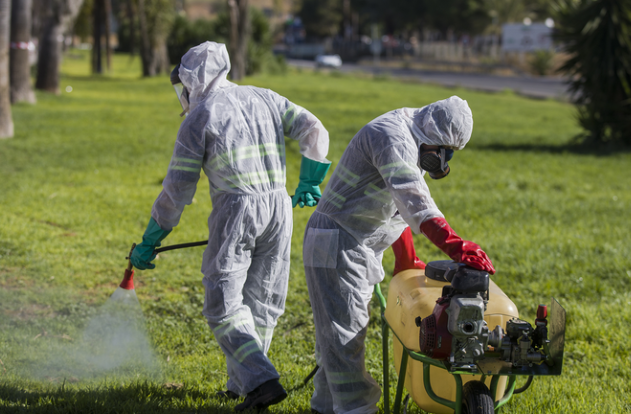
(597, 35)
(541, 62)
(186, 34)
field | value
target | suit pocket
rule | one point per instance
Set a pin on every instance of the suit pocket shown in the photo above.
(320, 248)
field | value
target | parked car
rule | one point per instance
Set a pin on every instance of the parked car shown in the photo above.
(328, 61)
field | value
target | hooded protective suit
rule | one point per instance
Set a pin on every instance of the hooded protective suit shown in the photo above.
(236, 135)
(375, 192)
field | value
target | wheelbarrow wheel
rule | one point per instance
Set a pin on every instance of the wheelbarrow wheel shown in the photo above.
(477, 399)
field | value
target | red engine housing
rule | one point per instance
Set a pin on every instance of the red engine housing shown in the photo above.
(435, 339)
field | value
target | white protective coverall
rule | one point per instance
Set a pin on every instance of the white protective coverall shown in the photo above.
(375, 192)
(236, 135)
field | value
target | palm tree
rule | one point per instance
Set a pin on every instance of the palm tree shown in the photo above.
(6, 121)
(239, 36)
(156, 19)
(597, 36)
(19, 66)
(58, 15)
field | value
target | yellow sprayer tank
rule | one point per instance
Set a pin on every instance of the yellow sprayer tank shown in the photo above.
(412, 294)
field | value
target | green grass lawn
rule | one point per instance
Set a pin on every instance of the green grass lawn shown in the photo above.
(81, 174)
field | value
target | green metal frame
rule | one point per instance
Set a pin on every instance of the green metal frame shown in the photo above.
(427, 362)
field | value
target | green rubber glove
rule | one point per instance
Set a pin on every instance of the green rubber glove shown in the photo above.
(143, 253)
(312, 173)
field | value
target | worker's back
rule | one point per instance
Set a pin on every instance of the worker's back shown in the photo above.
(378, 165)
(240, 131)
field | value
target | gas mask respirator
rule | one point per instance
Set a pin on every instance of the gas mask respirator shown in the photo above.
(180, 90)
(434, 161)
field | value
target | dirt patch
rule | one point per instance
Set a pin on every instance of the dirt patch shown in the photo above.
(46, 334)
(11, 280)
(53, 224)
(30, 311)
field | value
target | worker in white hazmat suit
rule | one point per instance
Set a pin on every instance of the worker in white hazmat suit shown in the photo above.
(236, 135)
(376, 191)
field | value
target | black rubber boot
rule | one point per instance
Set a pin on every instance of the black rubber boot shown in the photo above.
(266, 394)
(227, 395)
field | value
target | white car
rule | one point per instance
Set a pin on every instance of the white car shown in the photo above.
(328, 61)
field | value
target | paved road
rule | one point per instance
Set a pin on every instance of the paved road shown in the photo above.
(533, 87)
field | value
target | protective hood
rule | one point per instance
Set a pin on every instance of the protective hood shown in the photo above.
(204, 69)
(444, 123)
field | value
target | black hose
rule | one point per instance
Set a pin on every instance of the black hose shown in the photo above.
(180, 246)
(311, 374)
(406, 400)
(524, 387)
(306, 380)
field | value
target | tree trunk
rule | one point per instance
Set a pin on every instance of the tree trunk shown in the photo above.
(239, 36)
(159, 62)
(36, 18)
(58, 14)
(6, 120)
(19, 65)
(155, 23)
(132, 27)
(145, 51)
(97, 35)
(107, 9)
(49, 56)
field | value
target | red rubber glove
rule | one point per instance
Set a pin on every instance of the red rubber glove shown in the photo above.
(405, 254)
(442, 235)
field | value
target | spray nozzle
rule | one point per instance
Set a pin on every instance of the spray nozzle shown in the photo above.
(128, 280)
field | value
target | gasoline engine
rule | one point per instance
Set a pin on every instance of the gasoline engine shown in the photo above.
(457, 333)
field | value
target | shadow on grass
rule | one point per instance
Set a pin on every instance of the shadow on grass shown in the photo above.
(577, 149)
(133, 398)
(137, 398)
(105, 78)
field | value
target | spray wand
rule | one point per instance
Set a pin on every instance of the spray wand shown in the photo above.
(128, 283)
(128, 279)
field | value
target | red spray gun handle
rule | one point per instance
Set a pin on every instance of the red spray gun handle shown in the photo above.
(128, 280)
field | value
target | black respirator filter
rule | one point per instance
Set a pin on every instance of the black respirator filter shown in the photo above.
(434, 161)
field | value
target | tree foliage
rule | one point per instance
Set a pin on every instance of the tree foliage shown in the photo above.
(324, 18)
(83, 24)
(321, 18)
(156, 19)
(260, 56)
(186, 34)
(460, 16)
(597, 35)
